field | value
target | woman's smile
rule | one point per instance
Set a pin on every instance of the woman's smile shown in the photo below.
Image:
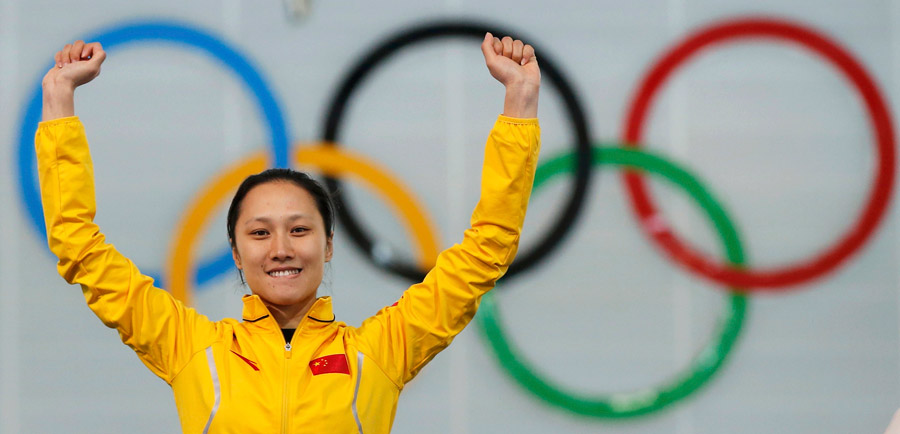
(285, 272)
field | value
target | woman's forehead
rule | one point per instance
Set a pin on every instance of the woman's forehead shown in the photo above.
(284, 200)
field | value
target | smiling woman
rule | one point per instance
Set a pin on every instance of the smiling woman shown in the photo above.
(287, 365)
(280, 229)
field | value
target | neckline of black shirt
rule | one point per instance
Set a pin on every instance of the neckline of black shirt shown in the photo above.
(288, 334)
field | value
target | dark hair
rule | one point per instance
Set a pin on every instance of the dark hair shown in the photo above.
(323, 199)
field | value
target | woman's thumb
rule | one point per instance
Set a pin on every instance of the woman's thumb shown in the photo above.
(487, 46)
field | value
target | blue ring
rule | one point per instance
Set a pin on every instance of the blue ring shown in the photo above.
(156, 31)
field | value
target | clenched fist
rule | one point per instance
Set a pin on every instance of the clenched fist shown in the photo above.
(513, 63)
(76, 64)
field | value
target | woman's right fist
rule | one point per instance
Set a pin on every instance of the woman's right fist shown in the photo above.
(76, 64)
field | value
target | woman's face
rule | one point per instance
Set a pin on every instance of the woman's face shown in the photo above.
(281, 243)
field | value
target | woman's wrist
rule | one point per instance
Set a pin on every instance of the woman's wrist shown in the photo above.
(58, 101)
(521, 101)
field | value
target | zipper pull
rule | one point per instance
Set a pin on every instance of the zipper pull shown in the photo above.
(287, 350)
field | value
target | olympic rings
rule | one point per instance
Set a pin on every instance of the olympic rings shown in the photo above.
(705, 363)
(329, 160)
(163, 32)
(876, 205)
(442, 29)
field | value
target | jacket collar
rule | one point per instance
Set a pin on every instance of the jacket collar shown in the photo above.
(256, 312)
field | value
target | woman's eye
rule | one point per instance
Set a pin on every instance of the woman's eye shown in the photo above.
(298, 230)
(259, 233)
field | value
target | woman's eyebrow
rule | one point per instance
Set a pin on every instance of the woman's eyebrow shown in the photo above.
(269, 220)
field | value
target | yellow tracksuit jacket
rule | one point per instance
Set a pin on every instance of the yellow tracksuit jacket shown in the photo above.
(235, 376)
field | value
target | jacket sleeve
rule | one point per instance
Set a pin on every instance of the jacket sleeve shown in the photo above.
(404, 337)
(159, 328)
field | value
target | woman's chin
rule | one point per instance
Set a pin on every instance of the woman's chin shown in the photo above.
(285, 297)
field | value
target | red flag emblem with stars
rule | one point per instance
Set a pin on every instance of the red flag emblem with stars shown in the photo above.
(333, 364)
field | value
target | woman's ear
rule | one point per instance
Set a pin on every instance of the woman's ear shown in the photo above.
(329, 247)
(236, 257)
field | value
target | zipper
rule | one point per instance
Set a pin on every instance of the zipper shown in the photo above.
(284, 389)
(284, 386)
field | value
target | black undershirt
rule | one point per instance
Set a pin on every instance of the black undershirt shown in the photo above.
(288, 334)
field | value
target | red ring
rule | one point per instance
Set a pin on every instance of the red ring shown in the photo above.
(776, 278)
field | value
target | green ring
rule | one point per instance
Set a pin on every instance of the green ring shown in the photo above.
(704, 364)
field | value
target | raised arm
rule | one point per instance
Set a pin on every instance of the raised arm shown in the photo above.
(148, 319)
(404, 337)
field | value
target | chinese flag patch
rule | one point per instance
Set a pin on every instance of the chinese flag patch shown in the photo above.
(333, 364)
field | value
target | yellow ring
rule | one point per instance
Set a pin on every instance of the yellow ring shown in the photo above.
(330, 160)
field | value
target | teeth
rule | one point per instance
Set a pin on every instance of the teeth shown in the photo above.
(283, 273)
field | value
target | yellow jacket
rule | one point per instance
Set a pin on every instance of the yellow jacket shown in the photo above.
(235, 376)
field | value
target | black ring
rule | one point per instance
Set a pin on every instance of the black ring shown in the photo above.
(438, 29)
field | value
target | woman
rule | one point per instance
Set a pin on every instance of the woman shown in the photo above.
(287, 366)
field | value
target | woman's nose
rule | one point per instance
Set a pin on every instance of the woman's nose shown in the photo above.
(281, 247)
